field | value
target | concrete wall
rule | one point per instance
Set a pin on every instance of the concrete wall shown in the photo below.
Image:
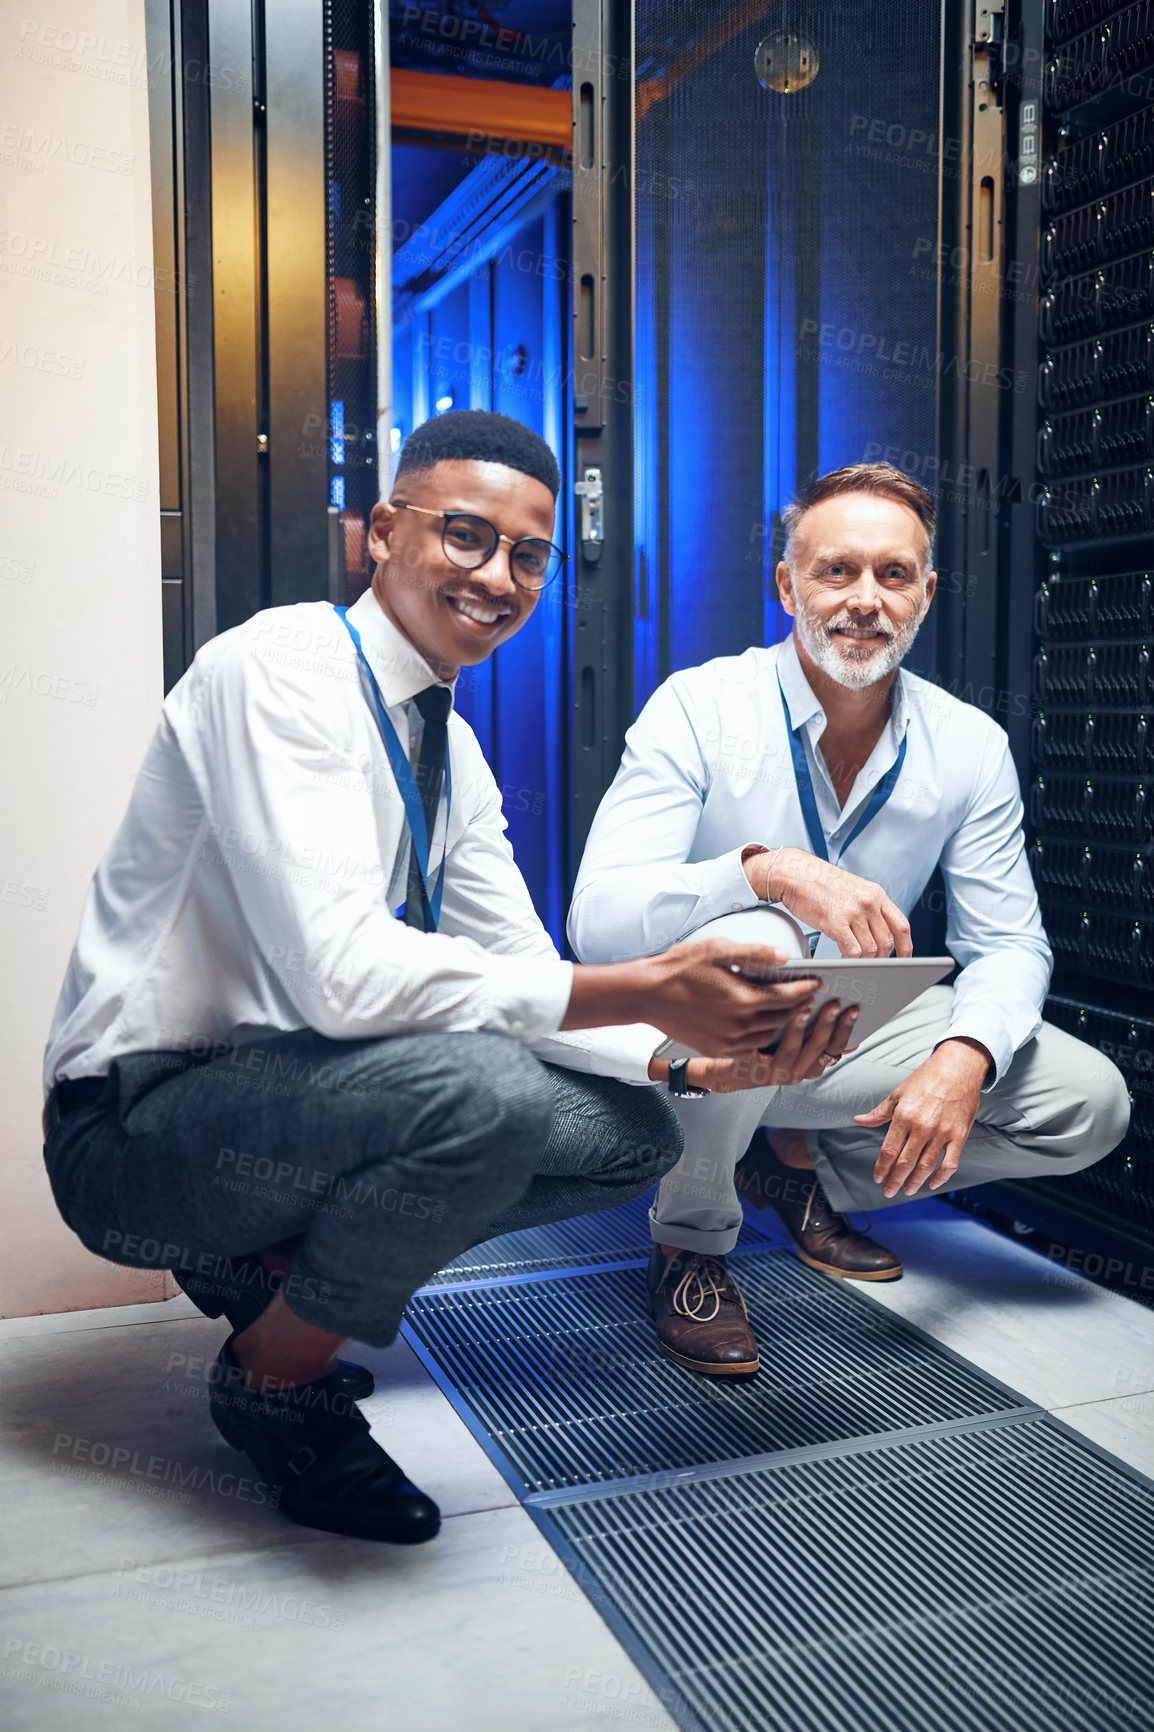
(80, 643)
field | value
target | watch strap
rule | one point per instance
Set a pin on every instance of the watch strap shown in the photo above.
(678, 1083)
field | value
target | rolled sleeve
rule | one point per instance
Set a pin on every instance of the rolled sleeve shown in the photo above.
(1000, 1035)
(623, 1052)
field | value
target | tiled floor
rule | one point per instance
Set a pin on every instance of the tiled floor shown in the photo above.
(142, 1572)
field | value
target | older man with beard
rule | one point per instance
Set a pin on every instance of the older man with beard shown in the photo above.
(820, 777)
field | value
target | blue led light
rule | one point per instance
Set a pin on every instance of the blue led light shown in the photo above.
(394, 438)
(337, 491)
(337, 430)
(443, 403)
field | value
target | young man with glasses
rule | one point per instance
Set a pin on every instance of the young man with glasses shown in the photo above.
(261, 1077)
(819, 776)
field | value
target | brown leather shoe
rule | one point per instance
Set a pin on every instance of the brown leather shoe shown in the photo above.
(824, 1239)
(700, 1314)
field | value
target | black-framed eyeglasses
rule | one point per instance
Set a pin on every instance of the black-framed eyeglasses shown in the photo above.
(470, 542)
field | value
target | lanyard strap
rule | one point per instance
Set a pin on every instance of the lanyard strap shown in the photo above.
(808, 799)
(406, 781)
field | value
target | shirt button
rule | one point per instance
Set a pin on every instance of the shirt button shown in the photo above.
(735, 907)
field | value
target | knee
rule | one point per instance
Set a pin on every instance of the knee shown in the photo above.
(1095, 1111)
(646, 1141)
(658, 1139)
(1108, 1104)
(510, 1094)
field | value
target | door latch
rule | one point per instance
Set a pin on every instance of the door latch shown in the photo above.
(592, 517)
(989, 43)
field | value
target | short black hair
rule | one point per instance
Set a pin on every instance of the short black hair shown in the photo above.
(480, 436)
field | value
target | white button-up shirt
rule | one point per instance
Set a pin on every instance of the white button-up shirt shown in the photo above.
(707, 770)
(252, 884)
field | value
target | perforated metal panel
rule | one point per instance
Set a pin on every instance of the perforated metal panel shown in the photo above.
(870, 1536)
(1090, 818)
(564, 1378)
(786, 292)
(618, 1235)
(350, 431)
(991, 1582)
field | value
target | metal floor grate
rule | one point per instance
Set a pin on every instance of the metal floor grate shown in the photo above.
(1010, 1593)
(870, 1536)
(562, 1378)
(617, 1235)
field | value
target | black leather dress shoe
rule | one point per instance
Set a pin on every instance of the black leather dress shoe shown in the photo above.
(243, 1297)
(312, 1444)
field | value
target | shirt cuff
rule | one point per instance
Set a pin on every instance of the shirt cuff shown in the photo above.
(622, 1052)
(995, 1040)
(727, 890)
(527, 995)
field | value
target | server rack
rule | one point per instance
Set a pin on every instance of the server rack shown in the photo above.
(351, 179)
(262, 128)
(1090, 795)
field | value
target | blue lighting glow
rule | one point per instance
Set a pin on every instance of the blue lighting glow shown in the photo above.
(445, 402)
(337, 431)
(337, 491)
(394, 438)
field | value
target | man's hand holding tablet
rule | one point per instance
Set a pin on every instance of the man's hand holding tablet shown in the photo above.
(846, 1000)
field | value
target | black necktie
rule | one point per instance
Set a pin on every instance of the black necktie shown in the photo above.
(433, 704)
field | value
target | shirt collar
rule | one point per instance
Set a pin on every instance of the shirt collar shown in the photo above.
(401, 671)
(804, 707)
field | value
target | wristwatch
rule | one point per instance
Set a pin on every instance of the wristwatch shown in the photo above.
(678, 1083)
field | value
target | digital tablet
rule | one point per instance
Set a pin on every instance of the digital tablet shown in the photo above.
(881, 985)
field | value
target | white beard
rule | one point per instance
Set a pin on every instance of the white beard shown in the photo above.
(855, 666)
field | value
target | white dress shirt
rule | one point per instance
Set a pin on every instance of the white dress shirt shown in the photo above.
(252, 884)
(707, 770)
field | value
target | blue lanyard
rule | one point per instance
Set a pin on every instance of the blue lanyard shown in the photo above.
(808, 799)
(406, 781)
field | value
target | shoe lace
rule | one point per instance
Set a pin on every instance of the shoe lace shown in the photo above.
(819, 1205)
(705, 1281)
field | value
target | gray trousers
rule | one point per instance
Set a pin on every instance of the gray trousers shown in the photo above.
(1061, 1106)
(386, 1158)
